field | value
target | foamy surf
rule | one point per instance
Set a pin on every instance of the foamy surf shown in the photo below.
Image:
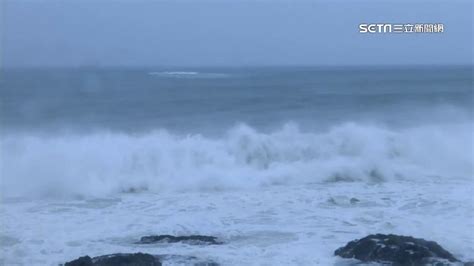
(276, 225)
(103, 164)
(187, 74)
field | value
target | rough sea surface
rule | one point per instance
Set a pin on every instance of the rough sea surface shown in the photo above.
(284, 165)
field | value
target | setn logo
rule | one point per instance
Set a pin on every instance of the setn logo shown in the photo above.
(375, 28)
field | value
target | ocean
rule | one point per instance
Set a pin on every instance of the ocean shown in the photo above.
(283, 164)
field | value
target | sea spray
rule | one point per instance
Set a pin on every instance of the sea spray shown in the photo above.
(244, 158)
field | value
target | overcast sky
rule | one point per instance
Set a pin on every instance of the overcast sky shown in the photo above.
(230, 33)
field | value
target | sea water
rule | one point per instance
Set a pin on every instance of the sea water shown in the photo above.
(283, 164)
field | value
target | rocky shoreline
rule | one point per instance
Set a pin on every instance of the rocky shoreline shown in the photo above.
(383, 249)
(145, 259)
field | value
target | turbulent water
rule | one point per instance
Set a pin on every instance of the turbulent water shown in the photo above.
(267, 159)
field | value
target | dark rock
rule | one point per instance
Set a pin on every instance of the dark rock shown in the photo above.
(120, 259)
(82, 261)
(469, 263)
(192, 239)
(396, 250)
(354, 201)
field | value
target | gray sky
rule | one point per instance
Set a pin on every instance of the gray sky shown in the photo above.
(231, 33)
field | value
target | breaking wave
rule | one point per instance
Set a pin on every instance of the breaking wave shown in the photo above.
(107, 163)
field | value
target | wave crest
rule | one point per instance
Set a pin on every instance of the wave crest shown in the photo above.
(104, 164)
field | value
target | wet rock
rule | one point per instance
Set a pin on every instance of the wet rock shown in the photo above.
(120, 259)
(192, 239)
(354, 200)
(396, 250)
(82, 261)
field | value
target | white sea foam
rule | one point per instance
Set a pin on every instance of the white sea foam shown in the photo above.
(109, 163)
(275, 225)
(187, 74)
(174, 73)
